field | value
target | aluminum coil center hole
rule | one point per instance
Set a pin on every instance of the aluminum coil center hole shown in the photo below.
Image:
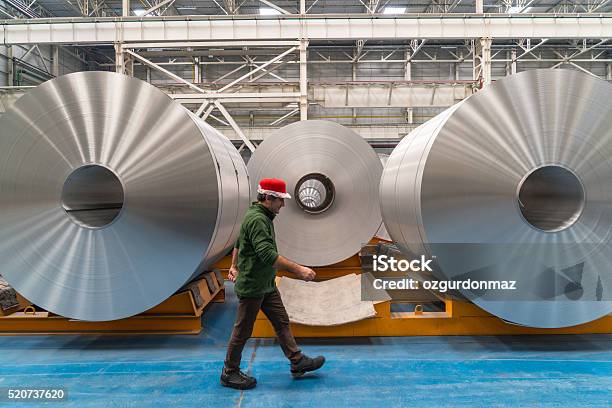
(314, 193)
(92, 196)
(551, 198)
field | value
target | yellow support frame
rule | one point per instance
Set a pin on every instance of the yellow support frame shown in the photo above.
(461, 318)
(178, 314)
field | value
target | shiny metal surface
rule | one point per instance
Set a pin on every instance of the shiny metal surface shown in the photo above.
(515, 182)
(383, 158)
(93, 142)
(382, 231)
(312, 193)
(93, 196)
(314, 148)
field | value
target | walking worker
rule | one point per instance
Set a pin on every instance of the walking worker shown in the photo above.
(254, 262)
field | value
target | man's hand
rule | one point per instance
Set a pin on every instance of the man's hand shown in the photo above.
(232, 274)
(303, 272)
(306, 273)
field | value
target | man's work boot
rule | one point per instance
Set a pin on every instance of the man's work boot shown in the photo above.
(305, 365)
(237, 379)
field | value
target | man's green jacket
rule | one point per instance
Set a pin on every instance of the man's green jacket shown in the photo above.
(257, 253)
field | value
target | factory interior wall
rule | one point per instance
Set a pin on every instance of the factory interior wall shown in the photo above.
(41, 63)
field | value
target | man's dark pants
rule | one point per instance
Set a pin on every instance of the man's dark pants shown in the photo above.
(272, 306)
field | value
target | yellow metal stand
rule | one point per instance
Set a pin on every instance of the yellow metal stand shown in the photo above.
(179, 314)
(22, 303)
(460, 318)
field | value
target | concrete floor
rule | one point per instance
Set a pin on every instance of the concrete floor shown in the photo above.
(183, 371)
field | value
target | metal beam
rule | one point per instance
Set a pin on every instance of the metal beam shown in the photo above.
(270, 97)
(259, 68)
(158, 6)
(119, 59)
(252, 63)
(311, 6)
(600, 5)
(571, 59)
(586, 71)
(450, 26)
(230, 6)
(532, 49)
(165, 71)
(10, 69)
(24, 56)
(304, 80)
(416, 48)
(373, 6)
(218, 120)
(201, 109)
(378, 133)
(233, 71)
(282, 118)
(221, 7)
(274, 6)
(235, 126)
(588, 49)
(482, 60)
(210, 44)
(55, 70)
(479, 6)
(208, 111)
(274, 68)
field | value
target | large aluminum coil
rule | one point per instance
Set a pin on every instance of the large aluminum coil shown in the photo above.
(514, 183)
(333, 177)
(112, 197)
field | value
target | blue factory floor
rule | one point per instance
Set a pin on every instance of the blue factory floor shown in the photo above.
(183, 371)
